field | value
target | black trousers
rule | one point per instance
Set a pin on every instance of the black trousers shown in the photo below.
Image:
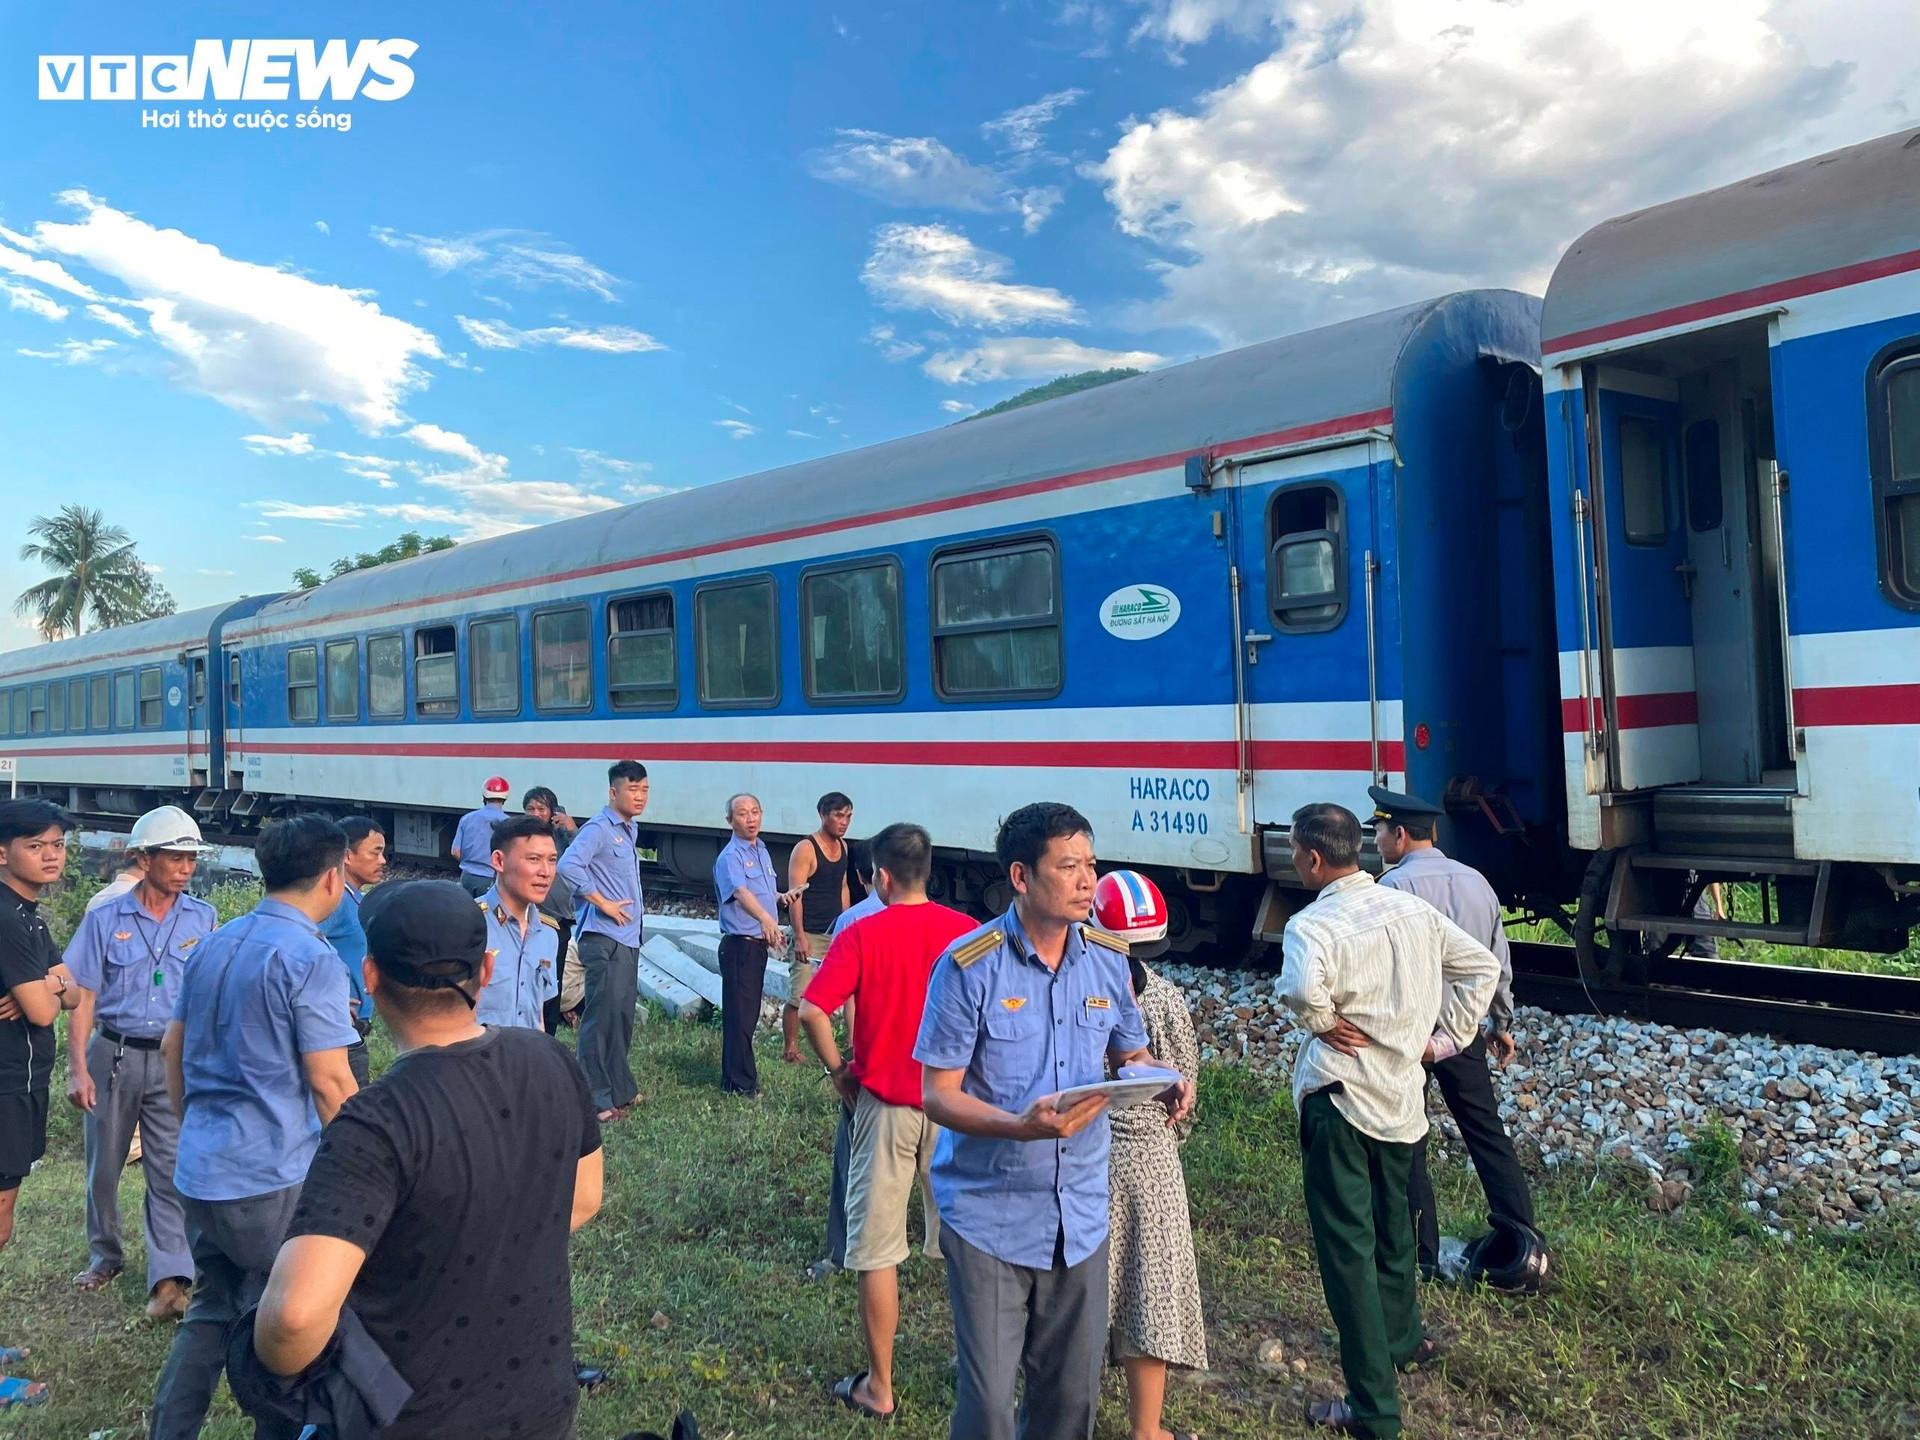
(1467, 1087)
(743, 983)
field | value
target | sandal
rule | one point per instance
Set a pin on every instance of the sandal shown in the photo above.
(95, 1277)
(13, 1355)
(819, 1270)
(843, 1392)
(15, 1391)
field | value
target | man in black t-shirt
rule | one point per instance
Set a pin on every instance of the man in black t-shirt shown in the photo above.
(440, 1201)
(34, 989)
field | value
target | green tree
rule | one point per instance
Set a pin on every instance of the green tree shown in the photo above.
(408, 545)
(1054, 389)
(98, 575)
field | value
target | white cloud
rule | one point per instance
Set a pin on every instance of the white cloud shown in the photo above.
(905, 170)
(297, 443)
(73, 352)
(47, 272)
(640, 490)
(34, 302)
(517, 256)
(803, 435)
(592, 462)
(114, 320)
(323, 227)
(1399, 148)
(322, 514)
(1022, 128)
(957, 407)
(216, 574)
(738, 429)
(930, 267)
(1037, 204)
(269, 343)
(265, 539)
(1025, 357)
(493, 501)
(891, 346)
(609, 339)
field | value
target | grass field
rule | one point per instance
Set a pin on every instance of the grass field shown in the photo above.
(688, 1288)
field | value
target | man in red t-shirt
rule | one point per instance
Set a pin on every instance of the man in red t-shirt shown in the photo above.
(882, 964)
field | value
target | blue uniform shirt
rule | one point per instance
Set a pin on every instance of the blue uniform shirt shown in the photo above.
(262, 992)
(744, 863)
(348, 937)
(473, 838)
(1021, 1031)
(526, 966)
(600, 858)
(133, 962)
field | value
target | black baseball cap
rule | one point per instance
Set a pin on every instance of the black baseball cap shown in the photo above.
(425, 933)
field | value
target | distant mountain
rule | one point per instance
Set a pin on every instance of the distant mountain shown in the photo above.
(1054, 389)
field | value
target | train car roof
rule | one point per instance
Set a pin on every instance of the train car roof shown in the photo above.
(148, 638)
(1744, 246)
(1336, 379)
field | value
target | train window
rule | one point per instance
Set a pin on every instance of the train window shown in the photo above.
(1643, 481)
(37, 710)
(386, 676)
(996, 621)
(125, 710)
(76, 705)
(303, 685)
(57, 708)
(850, 627)
(1307, 558)
(1705, 504)
(493, 649)
(99, 711)
(343, 680)
(150, 713)
(563, 660)
(1894, 451)
(734, 628)
(436, 674)
(233, 681)
(642, 671)
(20, 711)
(197, 680)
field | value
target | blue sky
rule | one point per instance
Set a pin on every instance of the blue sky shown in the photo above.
(599, 251)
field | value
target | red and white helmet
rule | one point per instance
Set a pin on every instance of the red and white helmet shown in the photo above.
(496, 788)
(1128, 904)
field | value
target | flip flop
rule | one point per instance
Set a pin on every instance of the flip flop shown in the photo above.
(20, 1393)
(12, 1355)
(843, 1392)
(95, 1277)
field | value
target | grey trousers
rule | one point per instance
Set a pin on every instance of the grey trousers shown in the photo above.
(234, 1242)
(606, 1017)
(1008, 1319)
(134, 1093)
(837, 1195)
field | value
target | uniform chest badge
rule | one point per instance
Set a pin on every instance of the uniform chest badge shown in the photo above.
(123, 934)
(1014, 1002)
(186, 945)
(492, 954)
(1099, 1002)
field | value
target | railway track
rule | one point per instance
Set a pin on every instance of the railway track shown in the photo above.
(1834, 1008)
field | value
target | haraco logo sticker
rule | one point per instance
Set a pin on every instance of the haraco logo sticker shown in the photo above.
(1139, 612)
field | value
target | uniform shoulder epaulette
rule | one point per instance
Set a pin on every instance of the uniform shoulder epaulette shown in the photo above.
(979, 947)
(546, 919)
(1097, 936)
(481, 902)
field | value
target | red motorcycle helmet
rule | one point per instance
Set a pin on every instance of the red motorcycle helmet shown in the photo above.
(1128, 904)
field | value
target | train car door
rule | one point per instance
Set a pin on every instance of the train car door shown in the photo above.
(233, 739)
(199, 718)
(1316, 725)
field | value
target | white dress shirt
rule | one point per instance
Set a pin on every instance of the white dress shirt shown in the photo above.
(1395, 967)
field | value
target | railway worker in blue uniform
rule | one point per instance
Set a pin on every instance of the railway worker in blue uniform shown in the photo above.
(602, 866)
(1403, 828)
(473, 837)
(365, 864)
(744, 885)
(1028, 1005)
(524, 943)
(256, 1057)
(127, 957)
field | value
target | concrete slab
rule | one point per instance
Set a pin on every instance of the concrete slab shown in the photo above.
(680, 1002)
(680, 925)
(704, 948)
(779, 980)
(666, 956)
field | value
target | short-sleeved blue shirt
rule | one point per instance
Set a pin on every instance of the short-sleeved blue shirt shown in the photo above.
(133, 962)
(600, 859)
(473, 838)
(744, 863)
(262, 992)
(526, 966)
(348, 937)
(1020, 1031)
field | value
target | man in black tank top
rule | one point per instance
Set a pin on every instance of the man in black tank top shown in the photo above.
(818, 865)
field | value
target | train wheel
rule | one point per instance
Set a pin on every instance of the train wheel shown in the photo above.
(1606, 957)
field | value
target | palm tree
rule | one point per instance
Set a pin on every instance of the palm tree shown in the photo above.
(96, 575)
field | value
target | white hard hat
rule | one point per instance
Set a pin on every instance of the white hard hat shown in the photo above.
(168, 828)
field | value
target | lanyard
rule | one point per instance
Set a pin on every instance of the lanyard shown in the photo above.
(157, 953)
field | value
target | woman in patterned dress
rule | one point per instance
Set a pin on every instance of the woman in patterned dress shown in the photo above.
(1155, 1282)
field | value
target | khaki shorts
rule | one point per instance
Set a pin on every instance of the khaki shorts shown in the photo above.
(803, 971)
(892, 1151)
